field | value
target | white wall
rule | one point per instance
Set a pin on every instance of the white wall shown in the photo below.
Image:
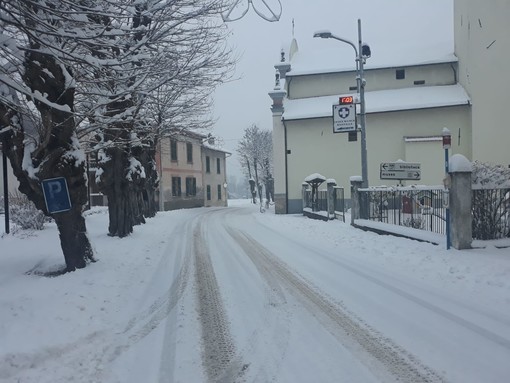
(330, 84)
(12, 182)
(316, 149)
(482, 44)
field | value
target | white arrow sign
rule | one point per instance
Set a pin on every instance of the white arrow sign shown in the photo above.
(400, 171)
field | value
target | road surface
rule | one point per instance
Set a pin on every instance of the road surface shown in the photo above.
(246, 301)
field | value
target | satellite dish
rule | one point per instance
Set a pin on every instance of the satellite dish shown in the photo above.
(269, 10)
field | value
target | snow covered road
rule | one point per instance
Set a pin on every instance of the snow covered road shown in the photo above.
(232, 295)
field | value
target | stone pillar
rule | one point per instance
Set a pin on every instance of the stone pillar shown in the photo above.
(304, 187)
(331, 198)
(356, 184)
(461, 230)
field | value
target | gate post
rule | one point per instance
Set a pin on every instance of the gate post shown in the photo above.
(460, 202)
(304, 187)
(331, 183)
(356, 183)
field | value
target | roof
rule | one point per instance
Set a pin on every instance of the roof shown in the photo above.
(380, 101)
(341, 58)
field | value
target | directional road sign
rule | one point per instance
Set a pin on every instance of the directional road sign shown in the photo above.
(344, 118)
(56, 195)
(400, 171)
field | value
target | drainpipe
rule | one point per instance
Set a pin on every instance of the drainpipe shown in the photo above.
(286, 168)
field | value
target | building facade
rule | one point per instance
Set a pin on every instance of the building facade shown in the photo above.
(408, 103)
(482, 44)
(192, 173)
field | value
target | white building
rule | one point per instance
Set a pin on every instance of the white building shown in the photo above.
(409, 99)
(482, 44)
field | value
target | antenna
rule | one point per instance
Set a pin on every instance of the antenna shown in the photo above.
(264, 10)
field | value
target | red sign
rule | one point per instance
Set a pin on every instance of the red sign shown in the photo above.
(344, 100)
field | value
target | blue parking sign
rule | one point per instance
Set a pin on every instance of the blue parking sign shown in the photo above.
(56, 195)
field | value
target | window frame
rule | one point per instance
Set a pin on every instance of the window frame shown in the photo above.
(208, 192)
(173, 150)
(189, 152)
(176, 187)
(191, 186)
(219, 192)
(218, 165)
(207, 164)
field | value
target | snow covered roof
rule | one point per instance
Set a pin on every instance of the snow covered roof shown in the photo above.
(380, 101)
(341, 58)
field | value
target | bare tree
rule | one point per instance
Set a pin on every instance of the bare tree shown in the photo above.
(255, 150)
(169, 60)
(37, 102)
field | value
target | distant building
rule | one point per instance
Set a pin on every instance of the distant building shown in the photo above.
(192, 172)
(12, 182)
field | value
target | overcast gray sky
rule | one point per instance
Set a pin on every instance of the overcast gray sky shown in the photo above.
(387, 25)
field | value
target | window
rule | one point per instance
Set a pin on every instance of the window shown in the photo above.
(218, 165)
(419, 82)
(173, 150)
(189, 152)
(191, 186)
(355, 87)
(400, 74)
(353, 136)
(176, 186)
(219, 192)
(207, 164)
(208, 192)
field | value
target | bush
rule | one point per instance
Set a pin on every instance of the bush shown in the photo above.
(24, 213)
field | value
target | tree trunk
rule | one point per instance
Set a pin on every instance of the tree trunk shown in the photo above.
(54, 154)
(116, 187)
(73, 239)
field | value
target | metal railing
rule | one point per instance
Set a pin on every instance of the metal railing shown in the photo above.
(339, 202)
(320, 203)
(407, 206)
(491, 213)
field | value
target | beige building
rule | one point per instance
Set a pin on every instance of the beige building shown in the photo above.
(192, 172)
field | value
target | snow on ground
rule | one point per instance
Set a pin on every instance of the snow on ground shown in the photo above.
(96, 324)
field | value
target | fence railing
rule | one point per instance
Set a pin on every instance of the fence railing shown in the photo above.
(339, 202)
(491, 213)
(407, 206)
(320, 202)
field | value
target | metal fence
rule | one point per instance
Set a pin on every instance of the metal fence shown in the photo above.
(339, 202)
(321, 201)
(406, 206)
(491, 213)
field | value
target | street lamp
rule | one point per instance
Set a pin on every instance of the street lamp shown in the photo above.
(362, 53)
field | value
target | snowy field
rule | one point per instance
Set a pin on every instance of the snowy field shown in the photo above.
(230, 294)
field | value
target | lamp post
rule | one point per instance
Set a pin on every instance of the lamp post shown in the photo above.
(362, 53)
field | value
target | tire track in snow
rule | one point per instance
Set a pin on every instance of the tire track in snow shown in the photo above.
(388, 361)
(101, 348)
(219, 350)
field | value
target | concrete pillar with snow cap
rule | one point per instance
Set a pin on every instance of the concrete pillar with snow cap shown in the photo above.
(356, 183)
(331, 183)
(460, 169)
(304, 188)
